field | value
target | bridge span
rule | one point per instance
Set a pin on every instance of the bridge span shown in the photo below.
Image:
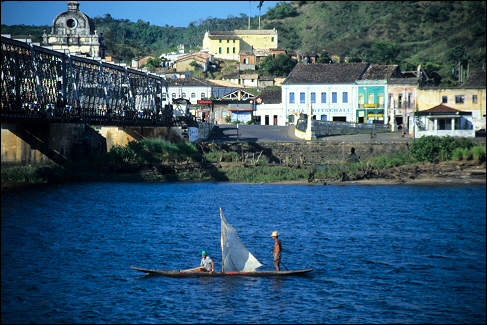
(43, 84)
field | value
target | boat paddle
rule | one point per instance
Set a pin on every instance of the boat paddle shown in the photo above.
(284, 266)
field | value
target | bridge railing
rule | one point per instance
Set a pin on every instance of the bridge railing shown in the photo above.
(38, 82)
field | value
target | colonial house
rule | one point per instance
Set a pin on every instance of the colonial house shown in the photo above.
(228, 45)
(265, 81)
(328, 91)
(269, 108)
(468, 98)
(183, 63)
(372, 93)
(441, 121)
(168, 59)
(250, 60)
(192, 89)
(403, 95)
(246, 80)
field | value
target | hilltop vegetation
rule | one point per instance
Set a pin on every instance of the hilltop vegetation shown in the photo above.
(439, 35)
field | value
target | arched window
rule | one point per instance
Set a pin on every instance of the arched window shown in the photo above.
(193, 95)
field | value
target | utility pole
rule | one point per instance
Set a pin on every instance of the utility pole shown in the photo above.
(250, 6)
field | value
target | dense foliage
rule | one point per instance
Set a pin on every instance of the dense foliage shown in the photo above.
(443, 36)
(435, 149)
(278, 66)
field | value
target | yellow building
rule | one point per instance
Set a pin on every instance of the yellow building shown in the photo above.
(465, 99)
(228, 44)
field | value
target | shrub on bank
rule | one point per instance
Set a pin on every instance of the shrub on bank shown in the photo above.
(435, 149)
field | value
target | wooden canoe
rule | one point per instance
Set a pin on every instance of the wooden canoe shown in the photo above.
(185, 274)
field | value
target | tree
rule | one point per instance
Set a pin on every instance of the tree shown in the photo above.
(194, 64)
(385, 52)
(325, 58)
(278, 66)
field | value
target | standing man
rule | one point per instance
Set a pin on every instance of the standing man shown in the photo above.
(277, 250)
(207, 264)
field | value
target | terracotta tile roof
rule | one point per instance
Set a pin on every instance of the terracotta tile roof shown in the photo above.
(381, 72)
(441, 109)
(271, 96)
(476, 79)
(326, 73)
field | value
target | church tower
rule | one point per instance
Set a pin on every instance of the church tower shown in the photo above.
(74, 31)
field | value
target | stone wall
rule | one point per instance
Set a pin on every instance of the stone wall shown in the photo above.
(310, 153)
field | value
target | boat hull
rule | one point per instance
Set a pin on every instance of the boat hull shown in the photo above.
(185, 274)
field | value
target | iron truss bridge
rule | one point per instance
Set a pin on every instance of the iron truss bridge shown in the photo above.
(47, 85)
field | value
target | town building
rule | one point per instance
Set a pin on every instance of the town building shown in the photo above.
(467, 98)
(269, 108)
(441, 121)
(328, 92)
(228, 45)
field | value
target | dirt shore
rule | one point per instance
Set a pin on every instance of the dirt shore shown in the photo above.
(450, 173)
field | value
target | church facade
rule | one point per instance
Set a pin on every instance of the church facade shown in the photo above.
(74, 32)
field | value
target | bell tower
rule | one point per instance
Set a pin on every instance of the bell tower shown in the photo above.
(75, 32)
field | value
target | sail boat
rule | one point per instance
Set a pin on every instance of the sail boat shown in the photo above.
(237, 260)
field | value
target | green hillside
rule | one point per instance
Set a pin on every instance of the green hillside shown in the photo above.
(439, 35)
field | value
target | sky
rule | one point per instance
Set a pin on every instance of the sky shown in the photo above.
(159, 13)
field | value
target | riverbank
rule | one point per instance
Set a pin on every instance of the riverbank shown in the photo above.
(451, 173)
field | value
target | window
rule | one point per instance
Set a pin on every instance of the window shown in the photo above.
(272, 39)
(381, 100)
(290, 118)
(183, 95)
(345, 97)
(291, 98)
(220, 50)
(313, 98)
(361, 99)
(193, 95)
(444, 99)
(334, 97)
(371, 99)
(228, 50)
(323, 97)
(234, 50)
(302, 98)
(173, 95)
(459, 99)
(220, 41)
(324, 118)
(474, 99)
(203, 95)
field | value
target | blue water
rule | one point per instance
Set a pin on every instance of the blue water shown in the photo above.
(381, 254)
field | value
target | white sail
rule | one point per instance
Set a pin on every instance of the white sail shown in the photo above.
(235, 256)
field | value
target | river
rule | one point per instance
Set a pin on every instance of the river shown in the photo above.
(381, 254)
